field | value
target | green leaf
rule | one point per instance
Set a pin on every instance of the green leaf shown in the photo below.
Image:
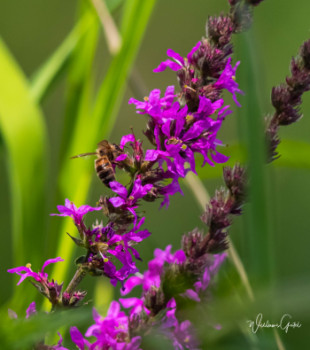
(293, 154)
(48, 74)
(24, 134)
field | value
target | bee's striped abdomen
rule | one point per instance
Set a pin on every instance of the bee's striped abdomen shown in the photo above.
(104, 170)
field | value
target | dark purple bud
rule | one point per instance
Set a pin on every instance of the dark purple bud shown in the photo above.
(272, 141)
(71, 300)
(217, 212)
(154, 300)
(219, 30)
(235, 179)
(305, 54)
(191, 242)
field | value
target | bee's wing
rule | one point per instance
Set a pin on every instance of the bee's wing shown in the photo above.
(84, 155)
(104, 144)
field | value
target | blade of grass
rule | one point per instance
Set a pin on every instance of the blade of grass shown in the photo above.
(90, 129)
(24, 133)
(48, 74)
(258, 234)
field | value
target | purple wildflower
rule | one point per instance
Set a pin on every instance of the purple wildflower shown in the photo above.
(153, 104)
(111, 332)
(181, 334)
(202, 284)
(132, 237)
(25, 271)
(180, 143)
(69, 209)
(136, 305)
(179, 62)
(128, 201)
(151, 277)
(227, 80)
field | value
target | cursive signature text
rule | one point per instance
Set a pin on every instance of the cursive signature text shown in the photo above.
(285, 323)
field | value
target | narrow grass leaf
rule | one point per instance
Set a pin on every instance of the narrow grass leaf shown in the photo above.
(24, 133)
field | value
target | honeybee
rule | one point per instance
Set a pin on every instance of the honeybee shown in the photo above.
(106, 153)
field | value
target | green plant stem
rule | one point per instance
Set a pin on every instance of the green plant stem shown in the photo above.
(76, 280)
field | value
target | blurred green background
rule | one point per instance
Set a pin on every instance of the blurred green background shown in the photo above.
(33, 30)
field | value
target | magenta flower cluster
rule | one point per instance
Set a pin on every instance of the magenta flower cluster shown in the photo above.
(179, 126)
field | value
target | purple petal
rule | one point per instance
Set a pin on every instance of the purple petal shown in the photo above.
(119, 189)
(219, 158)
(127, 138)
(193, 50)
(77, 338)
(175, 56)
(192, 295)
(31, 310)
(51, 261)
(168, 63)
(117, 201)
(121, 157)
(114, 309)
(130, 302)
(180, 256)
(132, 282)
(151, 155)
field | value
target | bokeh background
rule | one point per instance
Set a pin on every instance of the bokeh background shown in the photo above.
(32, 30)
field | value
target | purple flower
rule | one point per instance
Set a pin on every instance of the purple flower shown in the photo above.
(181, 334)
(202, 284)
(179, 62)
(153, 104)
(170, 190)
(130, 238)
(111, 332)
(69, 209)
(78, 339)
(128, 201)
(180, 143)
(25, 271)
(135, 144)
(136, 305)
(151, 277)
(227, 80)
(31, 310)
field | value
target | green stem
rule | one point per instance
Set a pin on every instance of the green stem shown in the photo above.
(77, 278)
